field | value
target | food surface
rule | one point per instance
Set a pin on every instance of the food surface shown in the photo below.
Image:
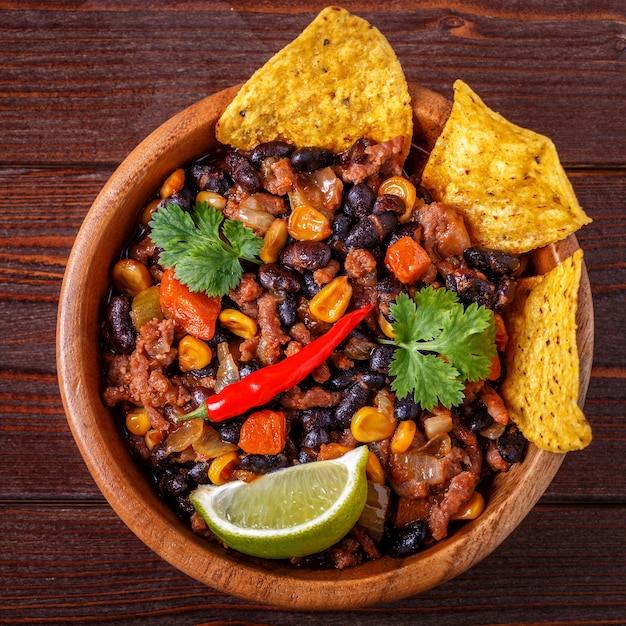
(294, 298)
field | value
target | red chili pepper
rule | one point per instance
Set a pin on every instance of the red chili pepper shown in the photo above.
(261, 386)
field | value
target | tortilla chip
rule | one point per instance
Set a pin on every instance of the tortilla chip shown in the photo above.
(506, 181)
(542, 381)
(338, 81)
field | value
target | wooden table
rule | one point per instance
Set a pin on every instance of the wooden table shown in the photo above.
(81, 83)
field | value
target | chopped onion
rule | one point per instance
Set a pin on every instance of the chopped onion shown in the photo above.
(227, 372)
(438, 446)
(422, 467)
(183, 437)
(494, 431)
(202, 437)
(375, 511)
(438, 424)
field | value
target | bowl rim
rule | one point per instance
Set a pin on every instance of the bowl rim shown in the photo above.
(123, 483)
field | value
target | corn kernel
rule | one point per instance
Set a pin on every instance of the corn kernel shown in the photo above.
(137, 421)
(332, 300)
(385, 326)
(131, 276)
(193, 353)
(221, 468)
(370, 424)
(238, 323)
(212, 199)
(471, 509)
(308, 224)
(374, 469)
(403, 437)
(153, 438)
(173, 183)
(403, 188)
(274, 241)
(149, 211)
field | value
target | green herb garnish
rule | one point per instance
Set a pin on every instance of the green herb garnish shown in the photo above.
(203, 248)
(434, 325)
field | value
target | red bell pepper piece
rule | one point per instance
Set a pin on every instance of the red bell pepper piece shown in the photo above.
(261, 386)
(194, 311)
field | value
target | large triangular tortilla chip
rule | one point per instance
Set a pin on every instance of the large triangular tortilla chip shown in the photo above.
(338, 81)
(506, 181)
(542, 381)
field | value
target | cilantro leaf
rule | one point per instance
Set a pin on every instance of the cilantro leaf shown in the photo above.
(203, 248)
(432, 325)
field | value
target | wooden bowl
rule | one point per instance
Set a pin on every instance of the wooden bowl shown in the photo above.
(105, 231)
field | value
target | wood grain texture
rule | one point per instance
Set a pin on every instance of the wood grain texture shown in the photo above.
(73, 99)
(82, 82)
(99, 571)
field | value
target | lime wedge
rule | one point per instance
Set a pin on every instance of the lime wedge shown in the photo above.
(292, 512)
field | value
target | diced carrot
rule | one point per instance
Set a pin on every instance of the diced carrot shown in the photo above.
(264, 432)
(407, 260)
(195, 312)
(496, 368)
(502, 336)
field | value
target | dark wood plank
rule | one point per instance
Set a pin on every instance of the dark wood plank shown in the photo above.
(73, 99)
(96, 569)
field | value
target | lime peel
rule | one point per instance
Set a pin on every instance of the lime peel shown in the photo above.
(291, 512)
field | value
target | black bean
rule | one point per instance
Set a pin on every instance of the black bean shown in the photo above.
(341, 380)
(512, 444)
(355, 154)
(475, 416)
(341, 227)
(471, 287)
(372, 380)
(210, 178)
(390, 202)
(287, 310)
(183, 506)
(492, 262)
(263, 463)
(371, 230)
(120, 325)
(270, 149)
(406, 408)
(315, 437)
(424, 194)
(405, 541)
(182, 198)
(198, 474)
(309, 286)
(243, 172)
(275, 277)
(306, 255)
(359, 201)
(230, 431)
(311, 159)
(173, 483)
(354, 398)
(410, 229)
(381, 358)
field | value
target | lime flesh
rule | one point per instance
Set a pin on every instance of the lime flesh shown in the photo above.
(292, 512)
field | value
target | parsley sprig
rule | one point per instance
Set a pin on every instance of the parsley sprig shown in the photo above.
(434, 325)
(203, 248)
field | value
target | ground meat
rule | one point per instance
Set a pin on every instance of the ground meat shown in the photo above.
(298, 400)
(278, 177)
(493, 459)
(272, 337)
(324, 275)
(248, 290)
(360, 266)
(378, 158)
